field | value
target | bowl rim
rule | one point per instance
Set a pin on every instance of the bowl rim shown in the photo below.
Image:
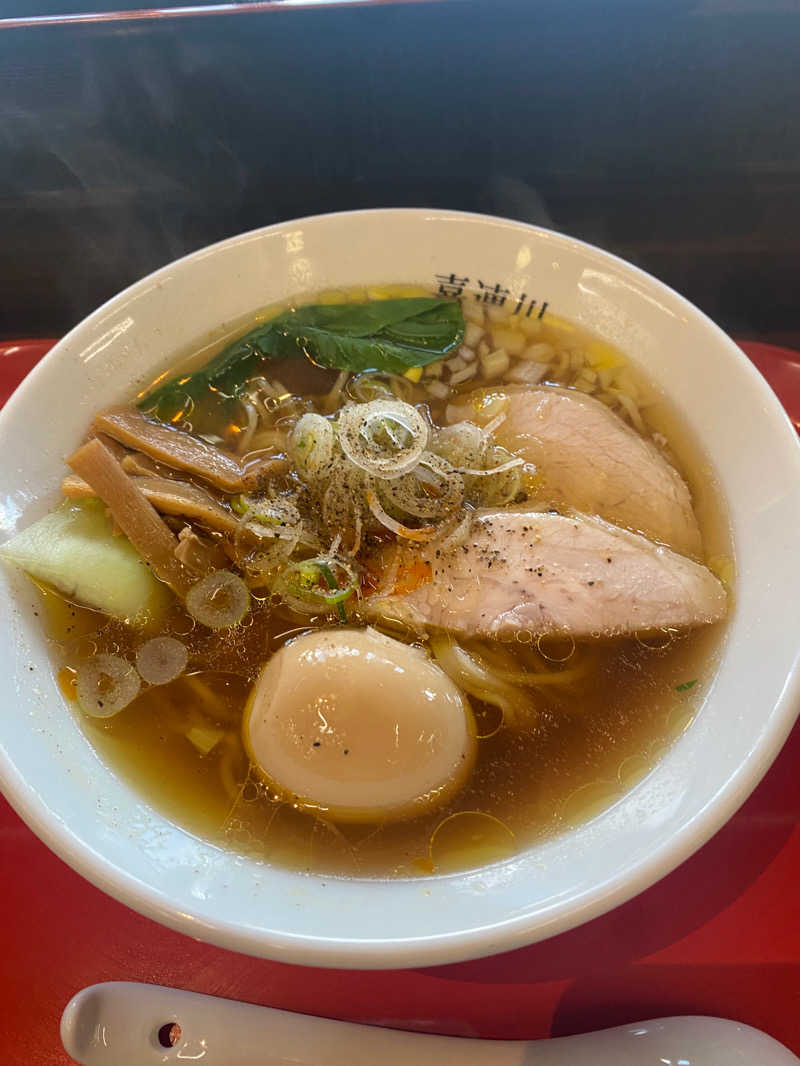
(485, 938)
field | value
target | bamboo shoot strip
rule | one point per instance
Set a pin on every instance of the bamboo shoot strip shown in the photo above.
(181, 451)
(135, 516)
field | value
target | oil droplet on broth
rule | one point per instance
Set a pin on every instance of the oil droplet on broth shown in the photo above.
(679, 719)
(633, 770)
(468, 839)
(587, 801)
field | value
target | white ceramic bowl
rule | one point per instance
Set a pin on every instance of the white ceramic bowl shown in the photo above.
(113, 837)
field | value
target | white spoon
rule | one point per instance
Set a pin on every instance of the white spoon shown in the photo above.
(126, 1024)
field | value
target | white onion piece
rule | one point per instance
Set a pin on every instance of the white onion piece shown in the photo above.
(355, 547)
(311, 446)
(105, 685)
(452, 535)
(161, 659)
(460, 376)
(422, 474)
(403, 493)
(276, 554)
(271, 511)
(274, 532)
(359, 425)
(501, 469)
(219, 600)
(462, 444)
(376, 384)
(502, 490)
(438, 390)
(341, 500)
(423, 533)
(495, 423)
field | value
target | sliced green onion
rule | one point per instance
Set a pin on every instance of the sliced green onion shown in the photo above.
(273, 511)
(311, 586)
(502, 468)
(338, 597)
(219, 600)
(415, 533)
(105, 685)
(374, 385)
(386, 438)
(463, 444)
(408, 494)
(342, 496)
(311, 446)
(495, 479)
(270, 557)
(161, 660)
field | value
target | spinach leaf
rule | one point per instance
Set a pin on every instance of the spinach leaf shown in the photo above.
(382, 350)
(390, 335)
(226, 374)
(362, 320)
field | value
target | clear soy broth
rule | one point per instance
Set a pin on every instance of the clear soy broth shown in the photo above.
(590, 741)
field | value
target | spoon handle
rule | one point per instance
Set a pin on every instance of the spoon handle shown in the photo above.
(127, 1024)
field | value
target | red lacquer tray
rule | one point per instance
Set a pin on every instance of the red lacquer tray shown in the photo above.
(720, 935)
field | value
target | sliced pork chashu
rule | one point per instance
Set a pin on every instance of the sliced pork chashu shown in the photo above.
(590, 460)
(551, 573)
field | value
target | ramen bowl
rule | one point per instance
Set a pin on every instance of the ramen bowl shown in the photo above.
(107, 831)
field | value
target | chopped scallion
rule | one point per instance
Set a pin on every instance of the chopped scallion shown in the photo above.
(312, 585)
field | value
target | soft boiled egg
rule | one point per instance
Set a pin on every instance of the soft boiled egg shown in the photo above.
(359, 725)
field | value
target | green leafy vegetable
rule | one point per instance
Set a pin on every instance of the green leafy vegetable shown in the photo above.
(388, 335)
(686, 686)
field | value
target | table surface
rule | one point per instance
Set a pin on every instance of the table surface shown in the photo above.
(719, 936)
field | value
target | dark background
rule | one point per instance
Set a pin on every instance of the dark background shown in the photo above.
(666, 131)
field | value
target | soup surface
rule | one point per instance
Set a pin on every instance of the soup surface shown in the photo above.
(566, 717)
